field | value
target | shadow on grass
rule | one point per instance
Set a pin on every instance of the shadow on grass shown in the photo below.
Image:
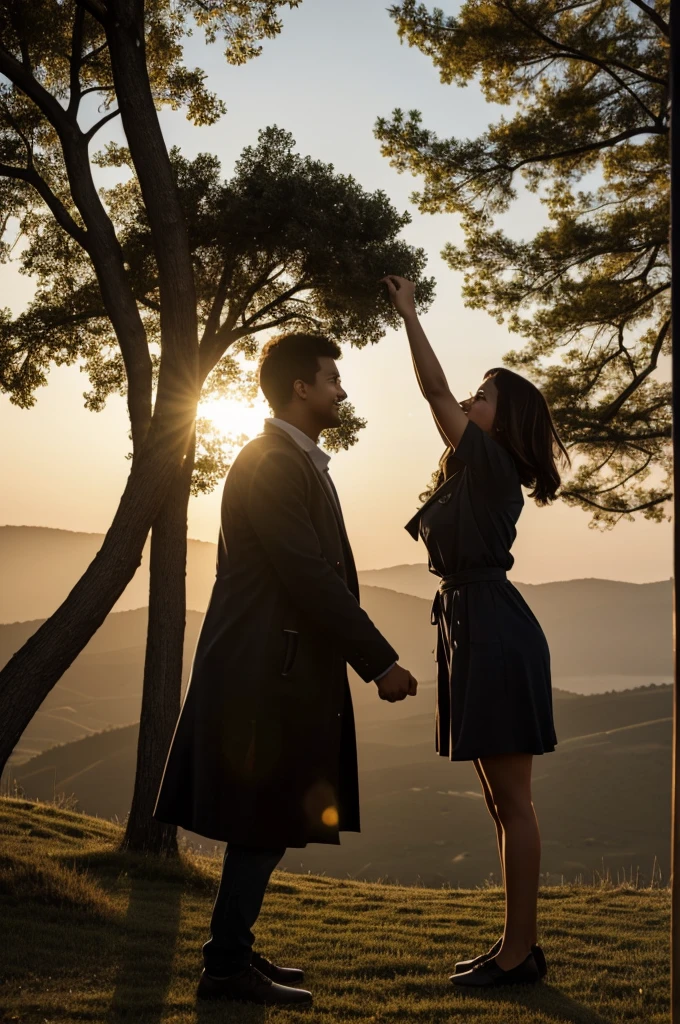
(544, 997)
(145, 962)
(209, 1012)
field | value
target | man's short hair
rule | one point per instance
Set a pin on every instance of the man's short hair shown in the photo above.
(292, 357)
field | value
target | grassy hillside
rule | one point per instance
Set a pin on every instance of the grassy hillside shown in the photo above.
(87, 934)
(603, 798)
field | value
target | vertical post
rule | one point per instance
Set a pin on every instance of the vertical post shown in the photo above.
(674, 103)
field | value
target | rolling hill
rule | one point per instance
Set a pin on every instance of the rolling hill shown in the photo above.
(603, 797)
(103, 687)
(89, 933)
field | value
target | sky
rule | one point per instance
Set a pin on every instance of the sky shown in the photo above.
(334, 69)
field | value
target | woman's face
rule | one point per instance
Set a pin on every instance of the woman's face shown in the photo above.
(481, 407)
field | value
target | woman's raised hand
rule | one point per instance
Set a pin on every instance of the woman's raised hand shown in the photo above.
(402, 294)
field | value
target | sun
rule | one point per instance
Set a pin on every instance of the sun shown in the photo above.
(235, 418)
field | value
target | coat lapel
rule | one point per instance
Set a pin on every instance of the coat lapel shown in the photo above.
(324, 484)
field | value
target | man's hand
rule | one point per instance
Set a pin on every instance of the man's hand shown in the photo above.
(397, 684)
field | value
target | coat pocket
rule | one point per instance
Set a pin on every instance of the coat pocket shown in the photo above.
(292, 637)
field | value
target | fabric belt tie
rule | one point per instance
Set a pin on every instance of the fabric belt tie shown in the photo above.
(453, 581)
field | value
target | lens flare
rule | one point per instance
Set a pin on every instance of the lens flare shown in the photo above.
(330, 817)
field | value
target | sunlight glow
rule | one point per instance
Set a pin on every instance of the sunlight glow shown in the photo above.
(232, 417)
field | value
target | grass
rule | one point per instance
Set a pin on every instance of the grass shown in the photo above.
(89, 934)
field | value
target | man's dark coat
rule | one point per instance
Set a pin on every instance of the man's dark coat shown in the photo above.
(264, 752)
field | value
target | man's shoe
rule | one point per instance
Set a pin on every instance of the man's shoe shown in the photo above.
(490, 975)
(250, 986)
(281, 975)
(468, 965)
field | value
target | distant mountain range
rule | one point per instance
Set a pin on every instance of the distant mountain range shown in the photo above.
(604, 628)
(40, 565)
(603, 634)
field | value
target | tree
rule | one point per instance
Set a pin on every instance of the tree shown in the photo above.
(54, 53)
(587, 82)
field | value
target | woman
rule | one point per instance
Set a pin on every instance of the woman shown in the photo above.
(494, 698)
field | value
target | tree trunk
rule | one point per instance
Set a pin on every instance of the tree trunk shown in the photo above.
(163, 666)
(32, 672)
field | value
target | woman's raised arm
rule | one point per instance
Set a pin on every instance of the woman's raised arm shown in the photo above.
(448, 414)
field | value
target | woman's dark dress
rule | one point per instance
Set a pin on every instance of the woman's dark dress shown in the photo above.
(493, 665)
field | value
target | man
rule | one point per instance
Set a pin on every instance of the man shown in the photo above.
(264, 754)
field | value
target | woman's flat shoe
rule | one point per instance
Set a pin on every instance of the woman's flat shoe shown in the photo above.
(490, 975)
(468, 965)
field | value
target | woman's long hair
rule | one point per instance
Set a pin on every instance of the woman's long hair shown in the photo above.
(524, 426)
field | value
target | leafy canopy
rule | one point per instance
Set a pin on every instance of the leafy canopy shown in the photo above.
(586, 85)
(285, 243)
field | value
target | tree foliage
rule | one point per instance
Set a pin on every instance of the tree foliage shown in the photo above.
(586, 84)
(56, 57)
(286, 243)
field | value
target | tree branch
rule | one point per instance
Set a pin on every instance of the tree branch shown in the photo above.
(28, 145)
(100, 238)
(654, 15)
(61, 214)
(622, 511)
(589, 147)
(612, 409)
(270, 324)
(577, 54)
(76, 56)
(98, 88)
(279, 300)
(159, 189)
(100, 124)
(97, 8)
(246, 299)
(95, 51)
(213, 320)
(74, 318)
(149, 303)
(655, 435)
(622, 483)
(20, 76)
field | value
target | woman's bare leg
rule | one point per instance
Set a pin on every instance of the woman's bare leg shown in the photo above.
(509, 780)
(488, 800)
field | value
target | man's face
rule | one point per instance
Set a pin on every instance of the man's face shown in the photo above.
(326, 394)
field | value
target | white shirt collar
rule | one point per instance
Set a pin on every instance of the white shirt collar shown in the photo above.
(319, 457)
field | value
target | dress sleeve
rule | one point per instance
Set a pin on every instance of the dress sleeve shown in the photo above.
(490, 465)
